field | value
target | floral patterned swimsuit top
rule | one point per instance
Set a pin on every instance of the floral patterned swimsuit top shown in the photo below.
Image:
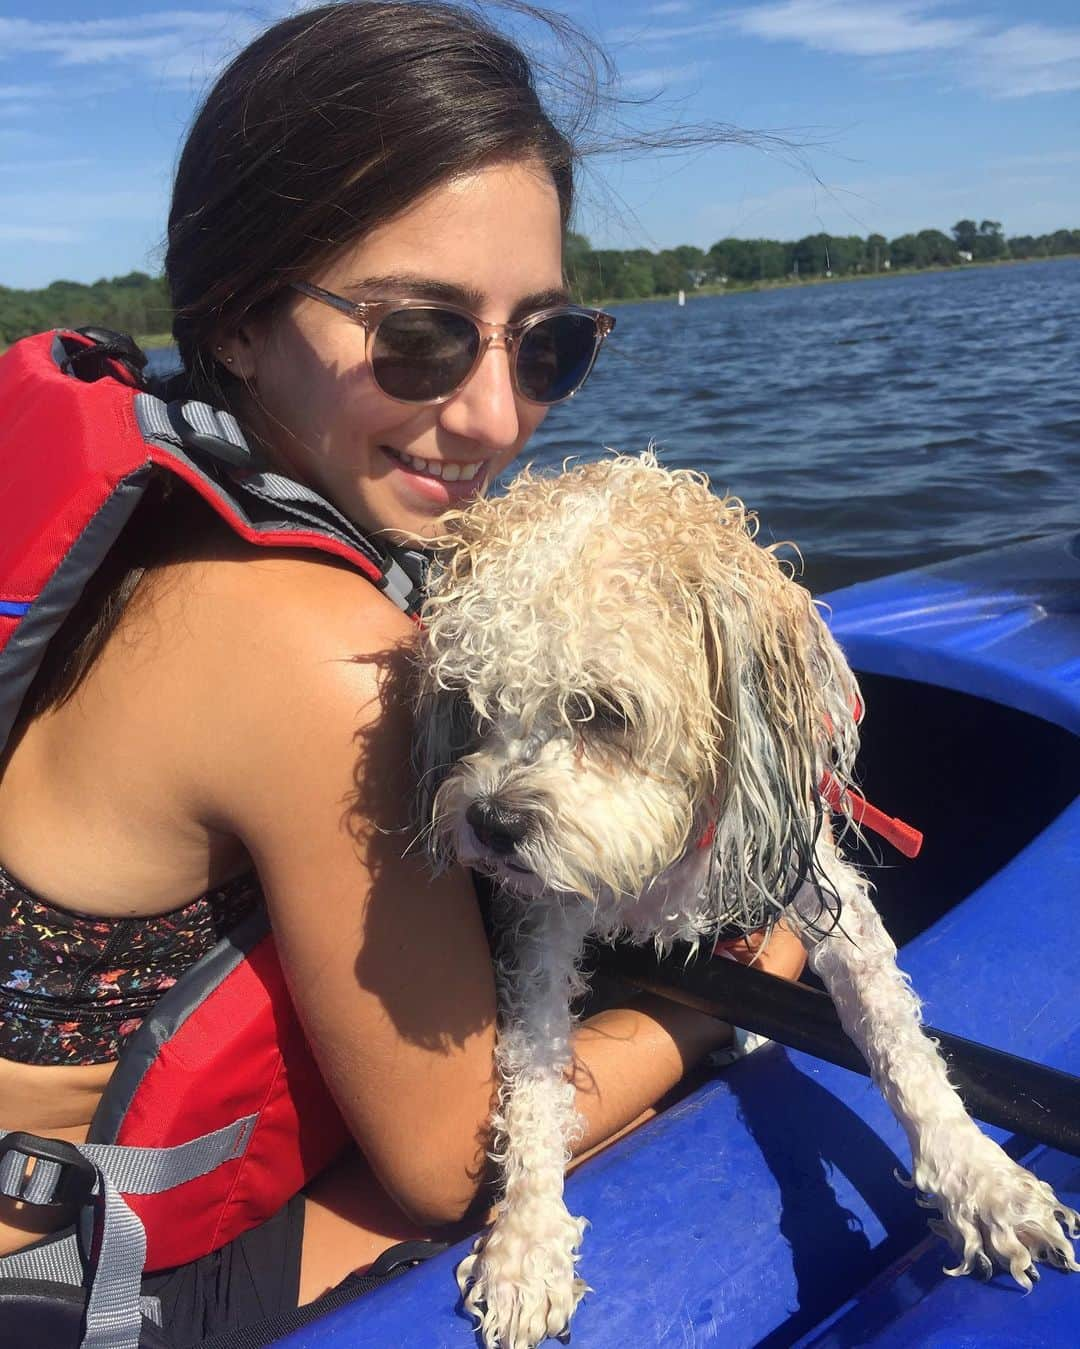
(73, 986)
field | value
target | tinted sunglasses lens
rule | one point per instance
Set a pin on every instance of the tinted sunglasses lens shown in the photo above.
(555, 356)
(423, 354)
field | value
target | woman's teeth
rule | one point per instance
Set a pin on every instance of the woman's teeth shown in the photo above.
(436, 468)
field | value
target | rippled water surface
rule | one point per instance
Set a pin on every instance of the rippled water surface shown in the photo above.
(878, 424)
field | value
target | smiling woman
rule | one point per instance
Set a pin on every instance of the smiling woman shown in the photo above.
(310, 396)
(365, 262)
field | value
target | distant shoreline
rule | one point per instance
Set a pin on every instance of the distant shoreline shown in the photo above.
(162, 341)
(794, 283)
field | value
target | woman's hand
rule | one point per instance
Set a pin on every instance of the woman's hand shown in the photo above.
(627, 1058)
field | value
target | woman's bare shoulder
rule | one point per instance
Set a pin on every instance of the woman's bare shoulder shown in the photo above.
(260, 653)
(267, 593)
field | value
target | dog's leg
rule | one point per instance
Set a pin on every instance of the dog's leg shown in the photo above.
(520, 1280)
(993, 1211)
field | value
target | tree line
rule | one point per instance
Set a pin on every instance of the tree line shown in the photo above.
(139, 304)
(637, 274)
(135, 303)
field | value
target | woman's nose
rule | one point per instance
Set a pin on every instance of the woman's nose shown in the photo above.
(486, 409)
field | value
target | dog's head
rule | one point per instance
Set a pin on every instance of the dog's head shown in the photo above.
(624, 697)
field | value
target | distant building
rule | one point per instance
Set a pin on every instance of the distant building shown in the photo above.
(964, 255)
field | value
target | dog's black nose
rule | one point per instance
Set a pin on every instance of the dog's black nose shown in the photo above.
(500, 828)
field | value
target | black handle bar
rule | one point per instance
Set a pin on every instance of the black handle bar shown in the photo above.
(1001, 1089)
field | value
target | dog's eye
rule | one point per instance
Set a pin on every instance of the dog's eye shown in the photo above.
(603, 711)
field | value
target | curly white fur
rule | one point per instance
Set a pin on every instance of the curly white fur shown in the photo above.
(627, 709)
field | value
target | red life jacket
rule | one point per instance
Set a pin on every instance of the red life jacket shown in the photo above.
(79, 444)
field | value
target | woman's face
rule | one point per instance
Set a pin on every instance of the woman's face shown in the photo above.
(490, 241)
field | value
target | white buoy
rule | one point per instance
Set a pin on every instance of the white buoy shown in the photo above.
(682, 296)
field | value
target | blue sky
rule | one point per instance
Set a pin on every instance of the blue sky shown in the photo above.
(900, 114)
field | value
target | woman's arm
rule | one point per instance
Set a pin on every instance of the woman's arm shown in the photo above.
(306, 760)
(627, 1058)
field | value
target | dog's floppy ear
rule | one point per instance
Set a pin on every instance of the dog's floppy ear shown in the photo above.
(786, 702)
(444, 724)
(445, 730)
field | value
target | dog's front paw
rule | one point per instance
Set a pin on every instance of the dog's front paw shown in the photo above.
(996, 1213)
(521, 1285)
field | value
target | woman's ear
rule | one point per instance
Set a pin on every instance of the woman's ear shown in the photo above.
(237, 352)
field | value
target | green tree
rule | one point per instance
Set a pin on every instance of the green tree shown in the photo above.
(904, 251)
(935, 249)
(990, 242)
(669, 275)
(1063, 241)
(135, 303)
(693, 263)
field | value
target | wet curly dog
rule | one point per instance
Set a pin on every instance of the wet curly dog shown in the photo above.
(628, 710)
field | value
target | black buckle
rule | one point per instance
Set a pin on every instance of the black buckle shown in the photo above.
(403, 1256)
(78, 1175)
(91, 363)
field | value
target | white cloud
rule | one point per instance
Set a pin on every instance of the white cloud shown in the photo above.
(1026, 59)
(657, 78)
(38, 234)
(1038, 159)
(30, 209)
(912, 37)
(857, 29)
(172, 47)
(78, 41)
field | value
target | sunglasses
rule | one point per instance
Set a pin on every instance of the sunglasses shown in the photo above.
(422, 351)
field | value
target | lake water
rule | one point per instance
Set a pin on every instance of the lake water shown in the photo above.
(878, 424)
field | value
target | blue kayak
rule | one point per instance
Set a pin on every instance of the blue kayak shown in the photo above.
(762, 1209)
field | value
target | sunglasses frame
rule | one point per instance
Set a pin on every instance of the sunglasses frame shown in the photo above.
(369, 314)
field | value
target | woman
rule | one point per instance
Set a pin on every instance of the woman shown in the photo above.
(361, 152)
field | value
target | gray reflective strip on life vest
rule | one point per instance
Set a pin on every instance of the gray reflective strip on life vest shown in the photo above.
(113, 1317)
(396, 582)
(60, 1261)
(211, 421)
(132, 1170)
(298, 506)
(114, 1310)
(155, 424)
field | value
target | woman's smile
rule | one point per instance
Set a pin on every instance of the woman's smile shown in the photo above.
(445, 482)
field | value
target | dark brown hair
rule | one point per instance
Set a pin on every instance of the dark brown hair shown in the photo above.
(330, 123)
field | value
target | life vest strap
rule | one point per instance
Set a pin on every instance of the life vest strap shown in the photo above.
(111, 1245)
(272, 502)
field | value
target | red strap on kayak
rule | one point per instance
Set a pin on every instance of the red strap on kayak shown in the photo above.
(903, 837)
